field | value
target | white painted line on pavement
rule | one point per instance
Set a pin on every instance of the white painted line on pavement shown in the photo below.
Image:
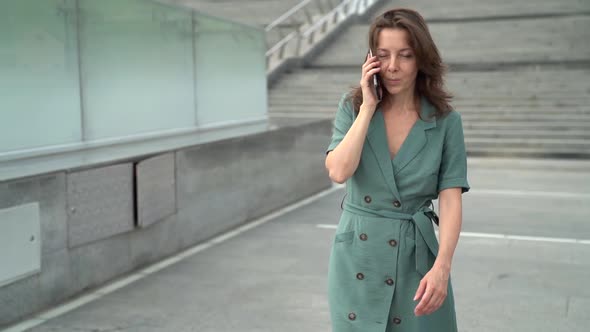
(500, 236)
(525, 193)
(140, 274)
(119, 284)
(330, 226)
(70, 306)
(528, 238)
(529, 193)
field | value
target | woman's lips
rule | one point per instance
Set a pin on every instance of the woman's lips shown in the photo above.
(393, 81)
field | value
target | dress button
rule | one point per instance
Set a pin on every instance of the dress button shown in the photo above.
(393, 243)
(363, 237)
(368, 199)
(389, 281)
(396, 320)
(397, 204)
(360, 276)
(352, 316)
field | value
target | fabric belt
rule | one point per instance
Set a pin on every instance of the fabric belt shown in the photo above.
(423, 229)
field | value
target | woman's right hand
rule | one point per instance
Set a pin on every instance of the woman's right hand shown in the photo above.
(370, 67)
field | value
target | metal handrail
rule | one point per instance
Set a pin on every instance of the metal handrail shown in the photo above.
(298, 36)
(281, 43)
(287, 15)
(326, 18)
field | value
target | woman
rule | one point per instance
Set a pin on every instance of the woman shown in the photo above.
(387, 270)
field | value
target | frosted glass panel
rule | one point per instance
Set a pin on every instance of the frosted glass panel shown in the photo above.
(39, 93)
(231, 71)
(84, 82)
(137, 67)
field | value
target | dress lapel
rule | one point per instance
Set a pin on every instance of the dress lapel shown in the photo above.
(412, 145)
(378, 143)
(416, 139)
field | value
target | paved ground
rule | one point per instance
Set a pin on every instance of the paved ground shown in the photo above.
(523, 261)
(273, 277)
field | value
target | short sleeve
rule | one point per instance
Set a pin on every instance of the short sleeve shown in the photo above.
(342, 122)
(453, 169)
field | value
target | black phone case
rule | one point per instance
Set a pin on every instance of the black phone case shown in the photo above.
(376, 79)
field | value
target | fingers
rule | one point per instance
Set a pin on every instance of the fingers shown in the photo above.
(432, 300)
(368, 76)
(370, 67)
(421, 289)
(368, 71)
(431, 296)
(370, 64)
(436, 303)
(424, 302)
(437, 300)
(433, 304)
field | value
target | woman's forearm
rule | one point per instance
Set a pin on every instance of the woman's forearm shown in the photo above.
(343, 161)
(450, 206)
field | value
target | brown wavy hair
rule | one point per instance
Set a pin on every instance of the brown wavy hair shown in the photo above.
(429, 80)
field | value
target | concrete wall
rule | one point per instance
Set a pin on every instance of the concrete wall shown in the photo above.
(100, 223)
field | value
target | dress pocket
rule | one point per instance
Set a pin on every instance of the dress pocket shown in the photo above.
(345, 237)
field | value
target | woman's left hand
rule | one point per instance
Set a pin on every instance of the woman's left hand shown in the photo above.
(432, 291)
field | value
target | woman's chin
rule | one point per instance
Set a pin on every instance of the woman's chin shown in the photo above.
(393, 90)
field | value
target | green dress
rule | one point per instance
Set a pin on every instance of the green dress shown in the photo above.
(385, 240)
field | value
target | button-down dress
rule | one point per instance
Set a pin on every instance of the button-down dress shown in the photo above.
(385, 240)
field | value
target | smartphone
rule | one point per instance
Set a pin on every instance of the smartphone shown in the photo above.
(376, 84)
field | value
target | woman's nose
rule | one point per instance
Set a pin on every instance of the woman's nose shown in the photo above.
(393, 64)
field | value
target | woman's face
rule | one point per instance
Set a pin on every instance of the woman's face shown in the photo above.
(398, 62)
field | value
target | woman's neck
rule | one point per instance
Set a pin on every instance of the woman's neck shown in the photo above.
(401, 103)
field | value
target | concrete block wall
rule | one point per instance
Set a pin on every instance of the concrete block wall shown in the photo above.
(103, 222)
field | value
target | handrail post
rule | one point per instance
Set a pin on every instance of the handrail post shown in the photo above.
(298, 44)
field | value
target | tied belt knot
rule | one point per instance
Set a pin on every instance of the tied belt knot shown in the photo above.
(423, 230)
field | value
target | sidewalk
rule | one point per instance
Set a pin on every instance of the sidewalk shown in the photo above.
(273, 276)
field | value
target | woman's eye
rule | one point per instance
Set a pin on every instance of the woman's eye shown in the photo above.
(406, 55)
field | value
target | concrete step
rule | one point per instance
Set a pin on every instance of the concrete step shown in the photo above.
(542, 40)
(485, 10)
(527, 117)
(462, 96)
(529, 86)
(502, 112)
(468, 124)
(529, 142)
(559, 105)
(511, 152)
(530, 97)
(550, 125)
(547, 76)
(573, 133)
(482, 114)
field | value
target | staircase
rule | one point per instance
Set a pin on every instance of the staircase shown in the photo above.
(520, 73)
